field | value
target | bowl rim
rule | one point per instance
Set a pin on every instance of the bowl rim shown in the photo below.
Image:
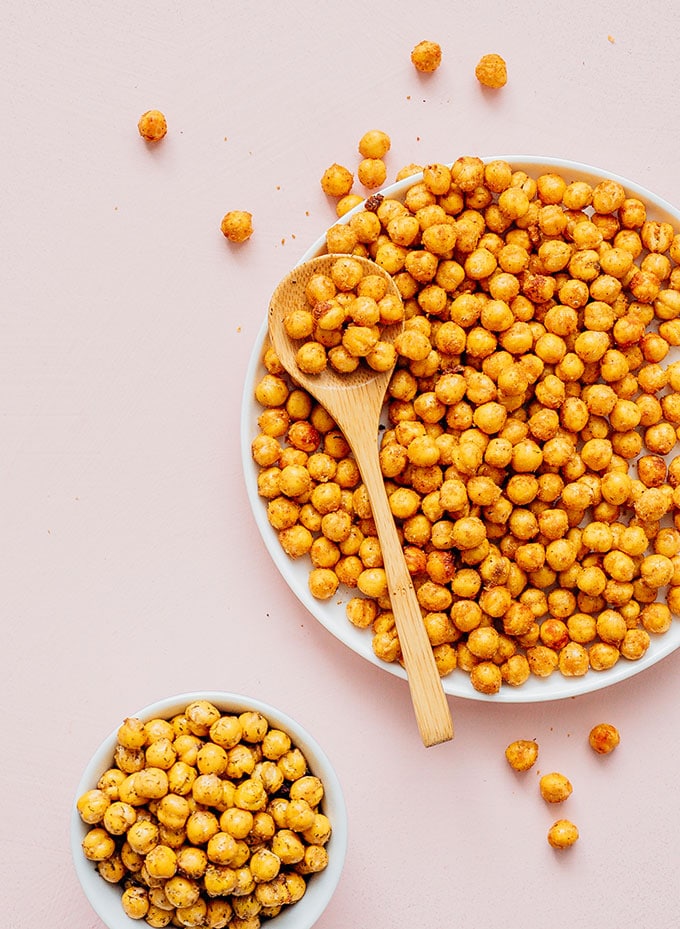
(536, 690)
(104, 898)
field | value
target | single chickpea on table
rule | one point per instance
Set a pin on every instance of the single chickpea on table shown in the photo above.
(237, 225)
(604, 738)
(522, 754)
(426, 56)
(562, 834)
(555, 787)
(152, 126)
(491, 71)
(529, 453)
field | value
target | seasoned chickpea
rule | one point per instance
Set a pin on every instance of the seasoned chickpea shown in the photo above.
(636, 641)
(135, 902)
(603, 656)
(118, 817)
(426, 56)
(237, 225)
(522, 754)
(542, 660)
(515, 671)
(573, 660)
(98, 845)
(486, 677)
(337, 180)
(93, 805)
(603, 738)
(483, 642)
(372, 172)
(374, 144)
(491, 71)
(152, 126)
(554, 787)
(562, 834)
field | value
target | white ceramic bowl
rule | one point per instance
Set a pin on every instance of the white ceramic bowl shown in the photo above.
(331, 614)
(105, 898)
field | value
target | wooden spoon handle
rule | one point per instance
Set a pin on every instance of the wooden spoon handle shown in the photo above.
(427, 694)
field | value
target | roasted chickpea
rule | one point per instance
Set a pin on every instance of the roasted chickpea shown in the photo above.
(237, 225)
(562, 834)
(522, 754)
(372, 172)
(426, 56)
(491, 71)
(374, 144)
(555, 787)
(603, 738)
(152, 126)
(337, 180)
(135, 902)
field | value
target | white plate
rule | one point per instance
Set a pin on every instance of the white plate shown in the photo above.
(331, 614)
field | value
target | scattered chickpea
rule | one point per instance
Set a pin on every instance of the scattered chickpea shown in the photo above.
(522, 754)
(374, 144)
(491, 71)
(426, 56)
(562, 834)
(237, 225)
(337, 181)
(372, 172)
(554, 787)
(604, 738)
(152, 125)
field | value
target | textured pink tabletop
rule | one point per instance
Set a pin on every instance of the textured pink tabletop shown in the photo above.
(131, 565)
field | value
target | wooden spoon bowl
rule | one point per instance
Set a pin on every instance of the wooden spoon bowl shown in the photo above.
(355, 401)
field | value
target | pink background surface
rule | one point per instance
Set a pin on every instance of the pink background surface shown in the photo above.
(132, 568)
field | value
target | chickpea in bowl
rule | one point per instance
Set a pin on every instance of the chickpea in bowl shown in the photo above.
(209, 809)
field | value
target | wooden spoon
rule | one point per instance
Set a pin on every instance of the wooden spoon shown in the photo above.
(355, 401)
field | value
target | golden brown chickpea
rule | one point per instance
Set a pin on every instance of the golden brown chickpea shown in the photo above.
(486, 677)
(93, 805)
(152, 126)
(656, 618)
(542, 660)
(323, 583)
(135, 902)
(337, 181)
(237, 225)
(374, 144)
(372, 172)
(562, 834)
(603, 738)
(491, 71)
(112, 869)
(522, 754)
(573, 660)
(554, 787)
(426, 56)
(603, 656)
(98, 845)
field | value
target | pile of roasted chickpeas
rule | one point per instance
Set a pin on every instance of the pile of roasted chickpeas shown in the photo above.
(206, 819)
(341, 321)
(532, 421)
